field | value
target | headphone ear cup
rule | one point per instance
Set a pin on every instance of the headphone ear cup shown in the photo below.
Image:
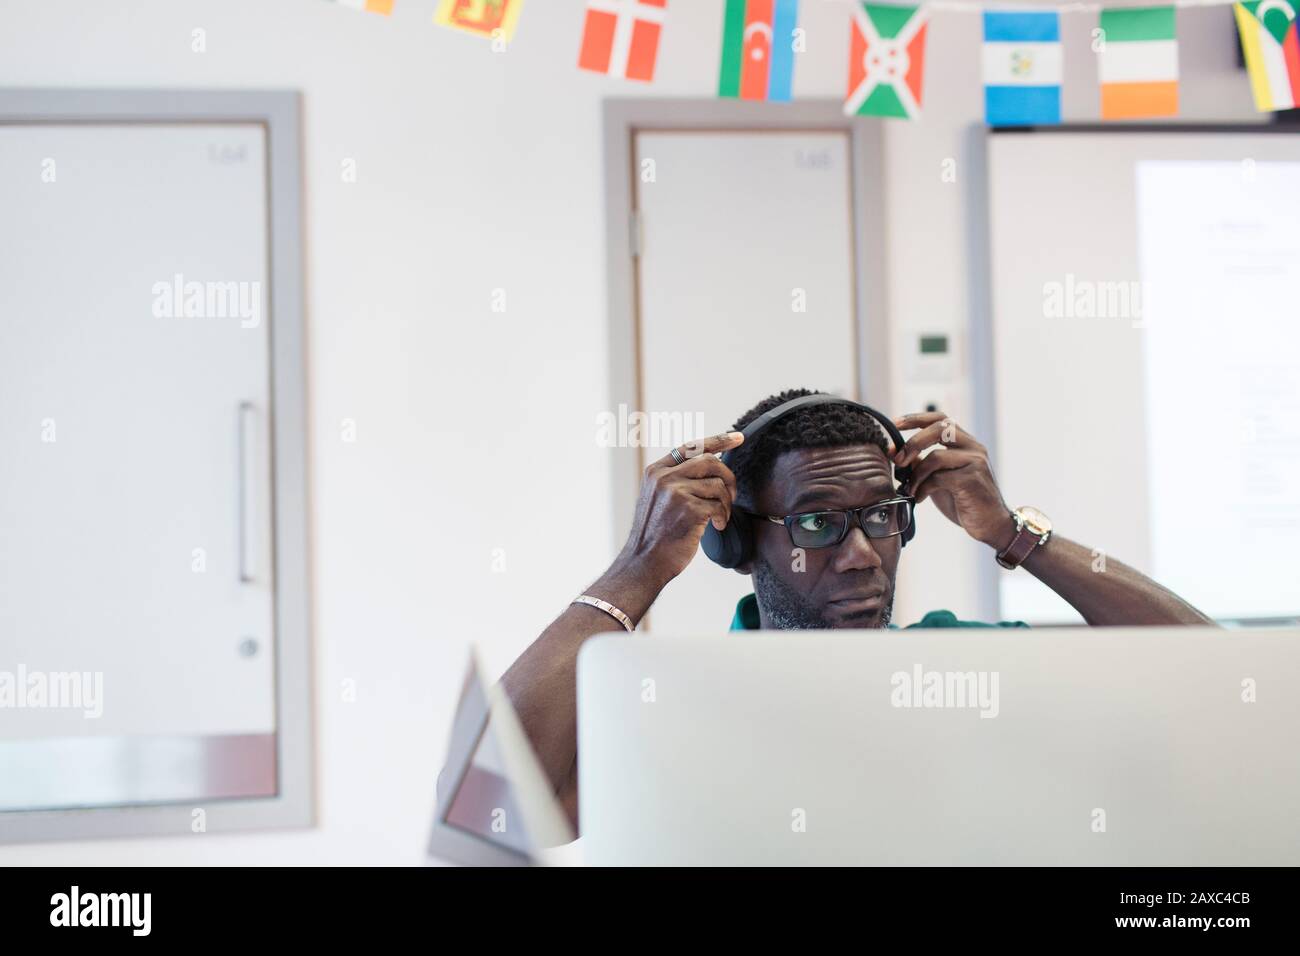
(732, 546)
(742, 536)
(713, 546)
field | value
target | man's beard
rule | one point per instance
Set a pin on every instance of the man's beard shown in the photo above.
(786, 609)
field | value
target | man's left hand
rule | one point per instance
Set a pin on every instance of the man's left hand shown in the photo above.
(956, 475)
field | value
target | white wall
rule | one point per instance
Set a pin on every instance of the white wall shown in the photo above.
(480, 171)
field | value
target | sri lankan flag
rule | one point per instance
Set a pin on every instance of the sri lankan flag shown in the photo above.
(1268, 39)
(757, 49)
(886, 61)
(481, 17)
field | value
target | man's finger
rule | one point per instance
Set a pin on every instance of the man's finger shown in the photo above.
(936, 469)
(937, 481)
(944, 432)
(706, 466)
(941, 460)
(918, 420)
(713, 490)
(714, 511)
(713, 445)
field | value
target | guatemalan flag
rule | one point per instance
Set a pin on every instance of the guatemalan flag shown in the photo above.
(1022, 69)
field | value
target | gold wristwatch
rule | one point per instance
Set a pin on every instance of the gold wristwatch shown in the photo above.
(1032, 529)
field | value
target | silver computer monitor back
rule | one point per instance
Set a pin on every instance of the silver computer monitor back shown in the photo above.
(1130, 746)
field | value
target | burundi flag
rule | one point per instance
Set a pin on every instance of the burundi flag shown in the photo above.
(621, 37)
(757, 49)
(886, 61)
(1138, 64)
(481, 17)
(1268, 39)
(372, 6)
(1022, 68)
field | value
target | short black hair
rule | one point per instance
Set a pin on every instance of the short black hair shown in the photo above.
(818, 426)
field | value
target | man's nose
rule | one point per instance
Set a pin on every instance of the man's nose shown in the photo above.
(855, 552)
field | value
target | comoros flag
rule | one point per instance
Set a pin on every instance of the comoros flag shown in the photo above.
(758, 49)
(886, 61)
(1272, 49)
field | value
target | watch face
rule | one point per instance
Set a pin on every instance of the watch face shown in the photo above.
(1035, 520)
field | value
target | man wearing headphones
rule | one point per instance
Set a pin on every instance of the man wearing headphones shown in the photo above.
(802, 498)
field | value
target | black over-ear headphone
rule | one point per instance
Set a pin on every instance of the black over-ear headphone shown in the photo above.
(734, 544)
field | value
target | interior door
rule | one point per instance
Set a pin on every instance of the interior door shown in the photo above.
(745, 287)
(135, 471)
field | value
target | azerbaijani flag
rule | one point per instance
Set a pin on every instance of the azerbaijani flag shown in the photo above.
(621, 37)
(1022, 68)
(1268, 39)
(371, 6)
(886, 61)
(757, 53)
(1138, 66)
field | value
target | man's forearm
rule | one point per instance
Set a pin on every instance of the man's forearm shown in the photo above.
(1106, 591)
(542, 683)
(680, 494)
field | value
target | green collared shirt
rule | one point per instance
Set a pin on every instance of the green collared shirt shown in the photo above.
(746, 618)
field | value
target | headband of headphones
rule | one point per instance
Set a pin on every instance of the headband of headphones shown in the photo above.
(903, 475)
(734, 544)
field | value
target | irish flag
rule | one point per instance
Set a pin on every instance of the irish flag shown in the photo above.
(1268, 38)
(1138, 65)
(886, 61)
(758, 49)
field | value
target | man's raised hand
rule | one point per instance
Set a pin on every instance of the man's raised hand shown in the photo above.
(680, 494)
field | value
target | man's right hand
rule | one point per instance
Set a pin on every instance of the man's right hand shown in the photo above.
(675, 504)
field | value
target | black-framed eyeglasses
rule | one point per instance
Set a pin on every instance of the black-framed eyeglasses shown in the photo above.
(826, 529)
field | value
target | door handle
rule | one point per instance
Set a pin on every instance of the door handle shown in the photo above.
(247, 490)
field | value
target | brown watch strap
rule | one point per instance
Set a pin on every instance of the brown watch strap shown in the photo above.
(1020, 548)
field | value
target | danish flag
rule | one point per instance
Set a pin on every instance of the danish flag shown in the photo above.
(621, 37)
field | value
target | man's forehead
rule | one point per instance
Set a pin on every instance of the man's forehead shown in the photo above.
(802, 474)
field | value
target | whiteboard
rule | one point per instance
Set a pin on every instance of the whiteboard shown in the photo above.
(1145, 355)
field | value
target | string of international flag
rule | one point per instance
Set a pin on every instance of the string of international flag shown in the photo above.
(1022, 61)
